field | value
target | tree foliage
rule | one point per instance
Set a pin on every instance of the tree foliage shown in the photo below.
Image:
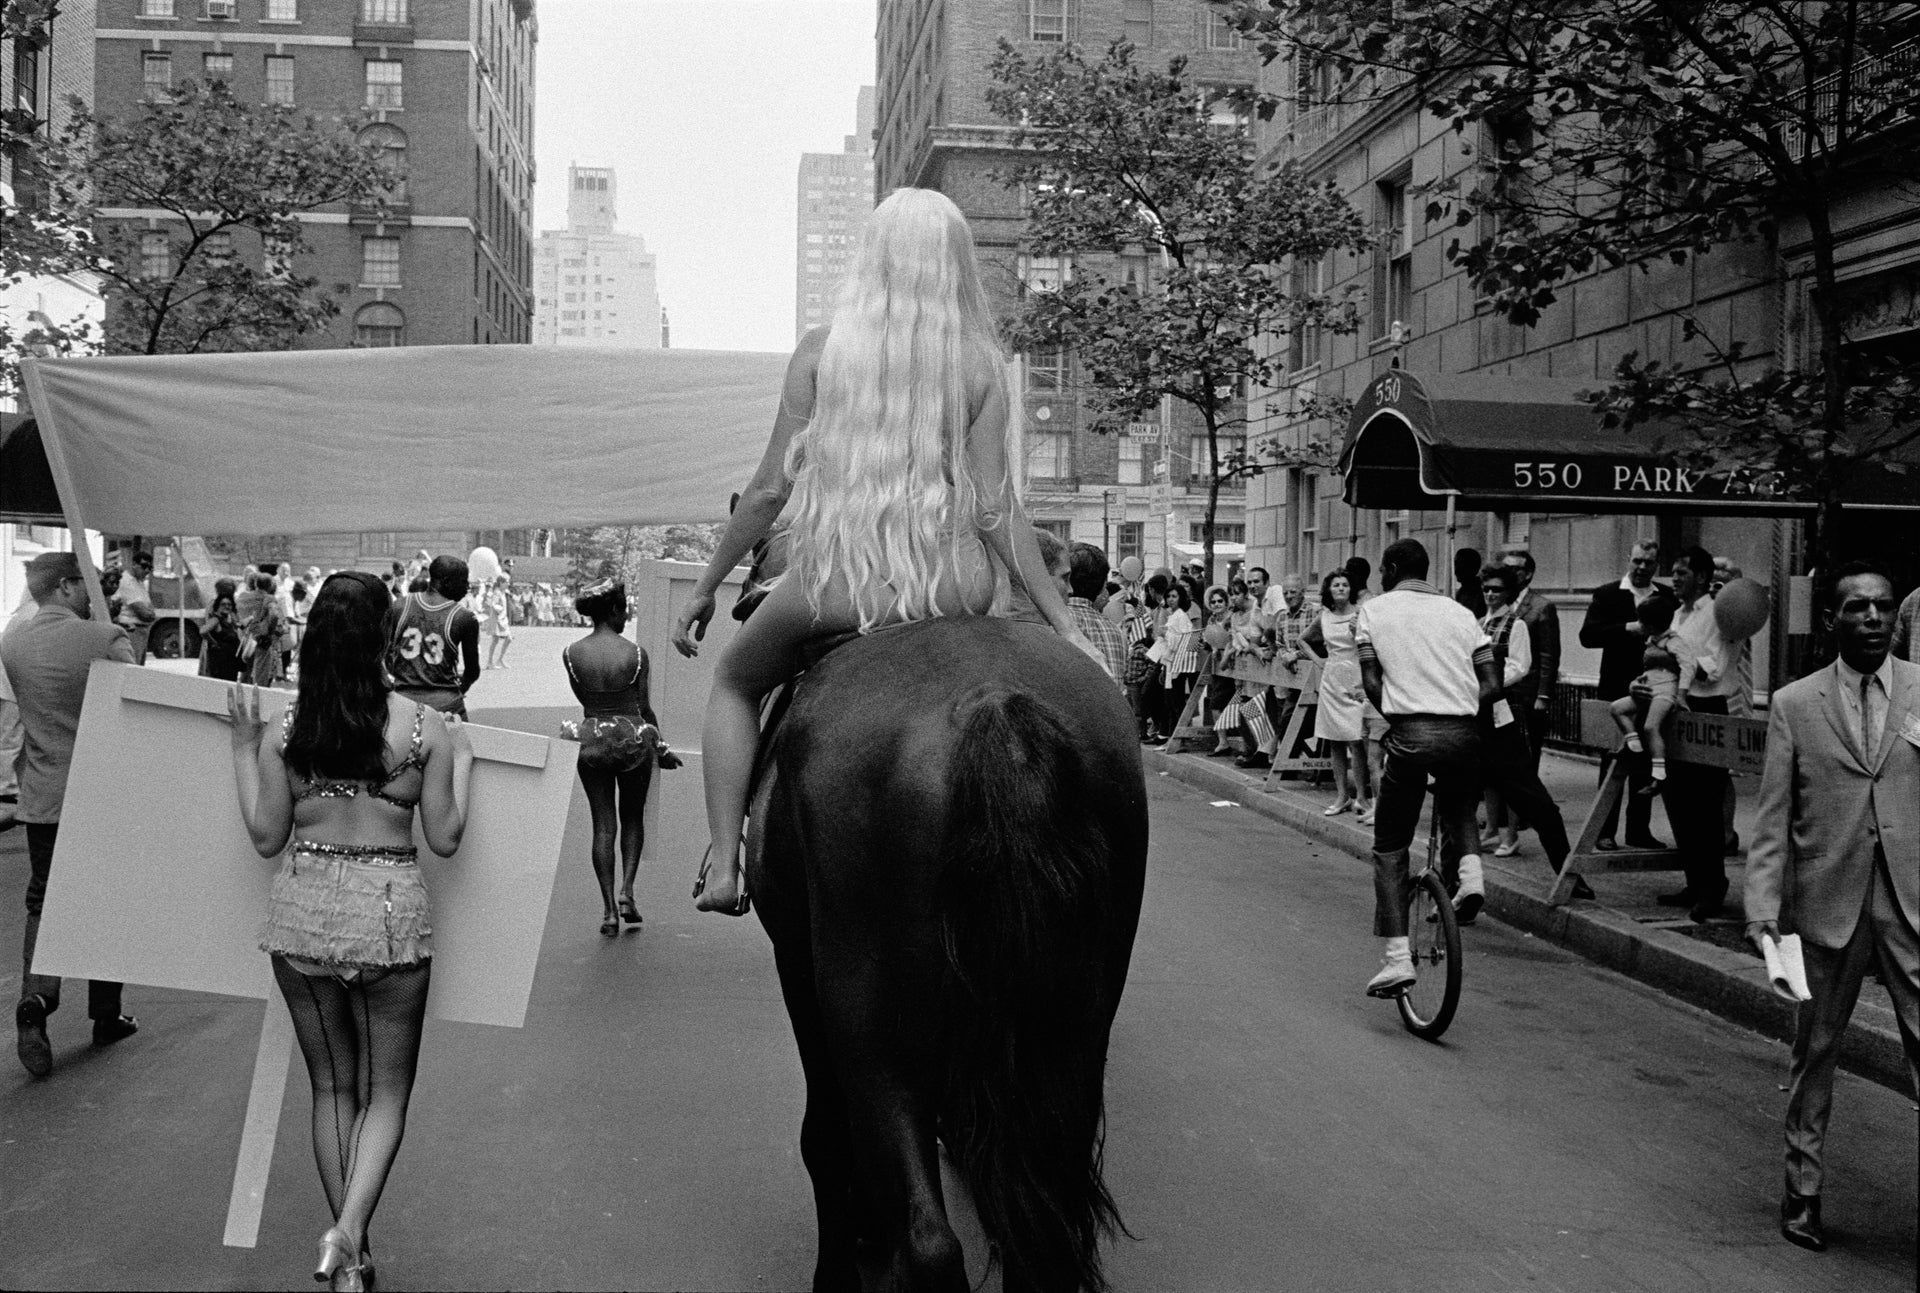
(227, 183)
(607, 550)
(1619, 133)
(1121, 160)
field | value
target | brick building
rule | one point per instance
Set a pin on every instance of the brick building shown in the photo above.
(935, 131)
(1419, 314)
(833, 198)
(592, 285)
(446, 87)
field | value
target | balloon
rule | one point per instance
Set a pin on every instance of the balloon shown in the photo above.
(1131, 569)
(482, 566)
(1741, 609)
(1216, 636)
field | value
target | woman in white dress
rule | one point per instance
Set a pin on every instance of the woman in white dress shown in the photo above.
(1340, 720)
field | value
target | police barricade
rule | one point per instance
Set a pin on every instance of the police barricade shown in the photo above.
(1298, 752)
(1707, 740)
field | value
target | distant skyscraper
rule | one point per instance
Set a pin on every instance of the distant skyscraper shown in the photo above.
(836, 193)
(591, 285)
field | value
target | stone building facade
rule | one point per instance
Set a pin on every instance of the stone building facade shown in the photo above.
(935, 131)
(1381, 153)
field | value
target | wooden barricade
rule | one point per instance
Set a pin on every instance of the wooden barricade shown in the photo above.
(1711, 740)
(1298, 752)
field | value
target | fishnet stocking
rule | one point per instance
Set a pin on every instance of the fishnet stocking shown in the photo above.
(361, 1039)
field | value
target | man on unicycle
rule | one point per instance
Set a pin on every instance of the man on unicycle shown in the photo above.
(1428, 667)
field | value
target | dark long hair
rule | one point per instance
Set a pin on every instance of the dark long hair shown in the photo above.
(340, 718)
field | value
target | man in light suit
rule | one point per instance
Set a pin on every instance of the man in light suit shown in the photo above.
(1836, 858)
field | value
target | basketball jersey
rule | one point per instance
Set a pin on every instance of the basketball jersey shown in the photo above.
(422, 653)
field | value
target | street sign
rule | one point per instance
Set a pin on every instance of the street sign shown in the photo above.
(1160, 499)
(1143, 430)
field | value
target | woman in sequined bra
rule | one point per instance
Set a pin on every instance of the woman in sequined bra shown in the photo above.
(348, 924)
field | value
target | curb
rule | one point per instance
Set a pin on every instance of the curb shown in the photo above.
(1726, 983)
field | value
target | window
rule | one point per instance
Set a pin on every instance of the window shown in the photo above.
(216, 67)
(156, 73)
(277, 255)
(1136, 19)
(1392, 255)
(392, 144)
(1047, 370)
(1200, 465)
(1129, 538)
(1133, 463)
(156, 255)
(379, 324)
(282, 11)
(280, 79)
(156, 8)
(217, 249)
(380, 262)
(1051, 20)
(383, 83)
(1048, 454)
(1222, 532)
(1306, 340)
(384, 11)
(1042, 273)
(1221, 33)
(1061, 530)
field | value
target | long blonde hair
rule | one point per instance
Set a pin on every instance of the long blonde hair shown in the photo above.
(882, 491)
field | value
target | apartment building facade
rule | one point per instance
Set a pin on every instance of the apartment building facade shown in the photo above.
(1419, 315)
(1116, 487)
(593, 285)
(833, 197)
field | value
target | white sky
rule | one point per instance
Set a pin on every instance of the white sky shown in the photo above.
(703, 108)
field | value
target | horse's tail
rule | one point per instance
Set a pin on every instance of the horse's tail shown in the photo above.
(1026, 910)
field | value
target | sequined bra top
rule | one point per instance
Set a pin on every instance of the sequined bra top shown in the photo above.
(324, 788)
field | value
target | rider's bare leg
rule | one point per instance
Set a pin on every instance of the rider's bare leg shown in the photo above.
(761, 657)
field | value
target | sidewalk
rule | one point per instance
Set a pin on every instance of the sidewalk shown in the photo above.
(1625, 929)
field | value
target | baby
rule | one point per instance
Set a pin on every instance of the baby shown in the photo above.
(1666, 668)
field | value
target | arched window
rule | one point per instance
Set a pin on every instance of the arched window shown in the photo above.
(392, 143)
(379, 324)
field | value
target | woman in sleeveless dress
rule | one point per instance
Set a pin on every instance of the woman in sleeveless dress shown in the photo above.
(1340, 719)
(895, 441)
(619, 743)
(348, 925)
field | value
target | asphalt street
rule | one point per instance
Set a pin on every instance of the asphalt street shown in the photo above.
(1269, 1126)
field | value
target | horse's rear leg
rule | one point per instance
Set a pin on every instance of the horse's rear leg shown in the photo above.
(897, 1146)
(826, 1145)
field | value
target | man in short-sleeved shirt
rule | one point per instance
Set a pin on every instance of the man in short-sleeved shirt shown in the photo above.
(47, 660)
(1086, 593)
(1428, 667)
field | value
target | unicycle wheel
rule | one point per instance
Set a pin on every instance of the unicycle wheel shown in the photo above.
(1427, 1005)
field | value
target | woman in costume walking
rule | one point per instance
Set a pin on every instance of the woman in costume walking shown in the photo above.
(348, 925)
(895, 442)
(620, 742)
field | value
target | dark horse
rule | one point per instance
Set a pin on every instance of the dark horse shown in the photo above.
(948, 850)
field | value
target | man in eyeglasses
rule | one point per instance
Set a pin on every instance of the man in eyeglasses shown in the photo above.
(47, 660)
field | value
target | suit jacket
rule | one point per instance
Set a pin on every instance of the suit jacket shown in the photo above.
(1605, 629)
(1823, 808)
(47, 660)
(1542, 619)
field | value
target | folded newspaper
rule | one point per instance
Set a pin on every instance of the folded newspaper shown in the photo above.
(1786, 968)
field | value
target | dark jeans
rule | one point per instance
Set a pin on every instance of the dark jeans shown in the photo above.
(1448, 749)
(1511, 770)
(103, 999)
(1694, 797)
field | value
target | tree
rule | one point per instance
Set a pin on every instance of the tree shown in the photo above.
(231, 181)
(1118, 161)
(35, 241)
(619, 549)
(1633, 134)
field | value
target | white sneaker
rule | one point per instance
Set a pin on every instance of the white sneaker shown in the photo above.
(1471, 896)
(1396, 970)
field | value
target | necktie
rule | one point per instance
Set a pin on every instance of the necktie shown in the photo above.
(1866, 717)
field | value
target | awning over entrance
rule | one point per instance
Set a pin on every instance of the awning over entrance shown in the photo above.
(27, 495)
(1526, 444)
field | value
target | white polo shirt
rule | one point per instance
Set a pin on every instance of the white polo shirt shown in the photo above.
(1426, 645)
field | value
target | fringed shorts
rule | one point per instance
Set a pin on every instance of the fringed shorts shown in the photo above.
(349, 907)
